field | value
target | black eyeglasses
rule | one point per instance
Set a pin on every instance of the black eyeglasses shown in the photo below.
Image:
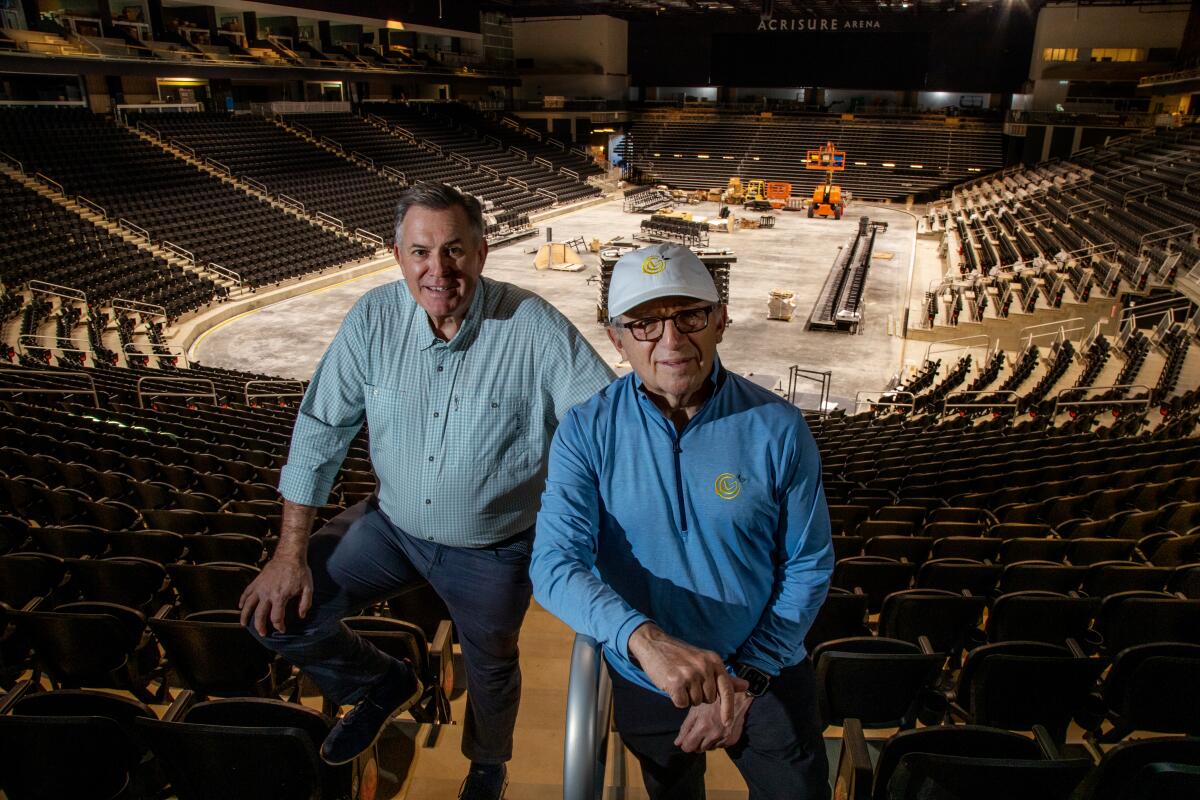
(650, 329)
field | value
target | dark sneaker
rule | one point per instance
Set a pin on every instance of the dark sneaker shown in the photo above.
(484, 783)
(359, 727)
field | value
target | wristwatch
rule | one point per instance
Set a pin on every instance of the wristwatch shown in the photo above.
(759, 681)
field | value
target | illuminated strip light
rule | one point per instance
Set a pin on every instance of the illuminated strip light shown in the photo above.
(974, 169)
(888, 164)
(727, 158)
(677, 155)
(861, 164)
(702, 155)
(916, 166)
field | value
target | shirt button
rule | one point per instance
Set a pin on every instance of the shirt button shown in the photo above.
(428, 501)
(439, 368)
(430, 538)
(431, 458)
(495, 405)
(435, 413)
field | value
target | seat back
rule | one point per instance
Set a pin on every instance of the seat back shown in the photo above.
(944, 617)
(878, 681)
(950, 740)
(53, 757)
(214, 654)
(256, 712)
(1121, 773)
(842, 615)
(225, 762)
(924, 775)
(209, 587)
(1017, 685)
(1130, 618)
(1153, 687)
(126, 581)
(1040, 617)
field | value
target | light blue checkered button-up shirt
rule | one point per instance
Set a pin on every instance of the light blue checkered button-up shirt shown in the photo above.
(460, 429)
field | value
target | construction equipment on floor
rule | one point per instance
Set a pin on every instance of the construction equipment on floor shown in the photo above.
(827, 197)
(778, 193)
(756, 196)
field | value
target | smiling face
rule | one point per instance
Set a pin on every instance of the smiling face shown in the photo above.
(676, 366)
(441, 258)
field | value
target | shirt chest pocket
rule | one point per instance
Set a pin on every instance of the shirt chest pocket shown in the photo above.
(490, 431)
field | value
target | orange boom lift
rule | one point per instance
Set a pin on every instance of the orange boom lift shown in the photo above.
(826, 198)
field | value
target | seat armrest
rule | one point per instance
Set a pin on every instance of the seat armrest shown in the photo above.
(1046, 742)
(164, 612)
(854, 773)
(10, 698)
(180, 706)
(441, 655)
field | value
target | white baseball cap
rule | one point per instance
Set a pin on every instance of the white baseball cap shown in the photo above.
(661, 270)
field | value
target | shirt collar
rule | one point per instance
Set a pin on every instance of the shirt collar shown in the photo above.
(716, 377)
(469, 328)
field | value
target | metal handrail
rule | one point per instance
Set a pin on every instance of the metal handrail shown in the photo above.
(542, 162)
(518, 152)
(57, 376)
(99, 209)
(288, 200)
(46, 179)
(142, 395)
(217, 165)
(13, 160)
(589, 710)
(1057, 326)
(517, 182)
(329, 219)
(45, 287)
(1144, 402)
(23, 346)
(225, 272)
(395, 173)
(466, 162)
(371, 237)
(143, 126)
(796, 373)
(191, 151)
(570, 173)
(258, 186)
(986, 339)
(247, 395)
(137, 307)
(131, 349)
(185, 254)
(858, 401)
(951, 402)
(325, 140)
(133, 228)
(354, 154)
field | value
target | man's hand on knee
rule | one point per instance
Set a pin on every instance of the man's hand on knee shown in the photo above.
(689, 675)
(266, 599)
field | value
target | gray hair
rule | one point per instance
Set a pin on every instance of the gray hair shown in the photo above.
(439, 197)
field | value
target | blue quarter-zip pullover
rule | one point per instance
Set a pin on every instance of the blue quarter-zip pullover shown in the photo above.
(718, 533)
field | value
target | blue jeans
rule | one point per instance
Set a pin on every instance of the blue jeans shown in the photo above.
(360, 558)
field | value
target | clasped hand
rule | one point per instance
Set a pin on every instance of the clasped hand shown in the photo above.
(697, 678)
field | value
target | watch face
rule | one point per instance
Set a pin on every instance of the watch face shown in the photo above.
(759, 681)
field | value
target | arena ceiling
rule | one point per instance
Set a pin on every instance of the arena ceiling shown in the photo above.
(633, 9)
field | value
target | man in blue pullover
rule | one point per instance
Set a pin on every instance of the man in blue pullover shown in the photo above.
(684, 526)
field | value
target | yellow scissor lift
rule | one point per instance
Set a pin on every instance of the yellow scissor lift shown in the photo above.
(826, 198)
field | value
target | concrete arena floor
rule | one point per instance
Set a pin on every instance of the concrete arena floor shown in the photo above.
(287, 339)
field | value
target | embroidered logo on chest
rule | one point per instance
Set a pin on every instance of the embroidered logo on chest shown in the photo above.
(727, 486)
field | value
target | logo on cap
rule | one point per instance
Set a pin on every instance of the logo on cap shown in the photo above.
(727, 486)
(652, 265)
